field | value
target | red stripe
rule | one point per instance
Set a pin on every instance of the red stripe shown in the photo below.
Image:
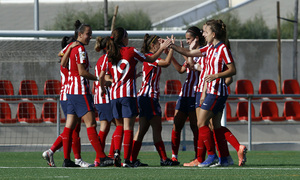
(152, 106)
(87, 103)
(213, 105)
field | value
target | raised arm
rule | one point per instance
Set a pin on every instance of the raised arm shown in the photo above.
(66, 55)
(164, 45)
(187, 52)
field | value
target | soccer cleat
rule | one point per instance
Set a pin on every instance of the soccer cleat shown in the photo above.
(169, 162)
(211, 159)
(69, 163)
(230, 160)
(127, 163)
(138, 163)
(221, 163)
(117, 158)
(48, 156)
(106, 161)
(242, 155)
(174, 159)
(81, 163)
(194, 163)
(96, 164)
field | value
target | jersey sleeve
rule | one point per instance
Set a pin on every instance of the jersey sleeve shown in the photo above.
(81, 56)
(227, 56)
(139, 56)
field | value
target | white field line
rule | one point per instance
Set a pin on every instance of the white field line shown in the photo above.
(170, 168)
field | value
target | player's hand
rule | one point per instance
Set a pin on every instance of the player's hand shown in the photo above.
(211, 77)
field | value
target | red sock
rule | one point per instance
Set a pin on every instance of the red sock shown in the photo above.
(231, 138)
(160, 147)
(94, 139)
(76, 145)
(127, 144)
(201, 150)
(102, 135)
(221, 143)
(67, 142)
(136, 147)
(118, 137)
(207, 136)
(112, 149)
(57, 144)
(195, 142)
(175, 141)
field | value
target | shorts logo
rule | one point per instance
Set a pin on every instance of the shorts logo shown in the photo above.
(204, 104)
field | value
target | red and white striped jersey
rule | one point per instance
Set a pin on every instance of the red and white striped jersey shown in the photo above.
(191, 81)
(151, 77)
(98, 99)
(217, 58)
(78, 84)
(124, 73)
(64, 73)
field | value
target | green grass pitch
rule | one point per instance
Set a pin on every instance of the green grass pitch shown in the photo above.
(260, 165)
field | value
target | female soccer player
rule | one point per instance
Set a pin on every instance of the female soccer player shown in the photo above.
(185, 106)
(121, 65)
(218, 57)
(148, 101)
(80, 101)
(102, 104)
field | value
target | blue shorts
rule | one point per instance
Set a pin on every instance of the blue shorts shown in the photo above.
(185, 104)
(125, 107)
(197, 101)
(149, 107)
(64, 107)
(104, 112)
(80, 104)
(214, 103)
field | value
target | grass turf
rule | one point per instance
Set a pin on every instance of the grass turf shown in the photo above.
(260, 165)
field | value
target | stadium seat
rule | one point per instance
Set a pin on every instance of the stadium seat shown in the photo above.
(5, 113)
(269, 111)
(6, 89)
(290, 86)
(170, 110)
(49, 112)
(267, 86)
(229, 118)
(172, 87)
(242, 112)
(244, 86)
(291, 110)
(26, 113)
(52, 87)
(28, 87)
(229, 92)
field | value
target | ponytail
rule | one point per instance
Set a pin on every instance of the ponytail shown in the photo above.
(101, 43)
(148, 40)
(113, 51)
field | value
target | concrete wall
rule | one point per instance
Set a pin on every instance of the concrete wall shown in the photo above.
(37, 59)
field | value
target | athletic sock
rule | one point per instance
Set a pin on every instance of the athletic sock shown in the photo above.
(201, 150)
(102, 136)
(111, 149)
(118, 137)
(160, 147)
(207, 137)
(76, 145)
(94, 139)
(67, 142)
(231, 138)
(175, 142)
(127, 144)
(57, 144)
(221, 143)
(136, 147)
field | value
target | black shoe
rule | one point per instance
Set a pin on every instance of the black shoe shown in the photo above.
(127, 163)
(169, 162)
(117, 158)
(106, 161)
(69, 163)
(137, 163)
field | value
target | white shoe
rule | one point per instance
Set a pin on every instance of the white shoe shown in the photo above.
(48, 156)
(81, 163)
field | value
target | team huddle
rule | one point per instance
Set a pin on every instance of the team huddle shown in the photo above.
(209, 66)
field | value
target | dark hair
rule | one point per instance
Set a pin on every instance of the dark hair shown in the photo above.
(101, 43)
(67, 40)
(148, 40)
(219, 28)
(114, 44)
(195, 31)
(79, 27)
